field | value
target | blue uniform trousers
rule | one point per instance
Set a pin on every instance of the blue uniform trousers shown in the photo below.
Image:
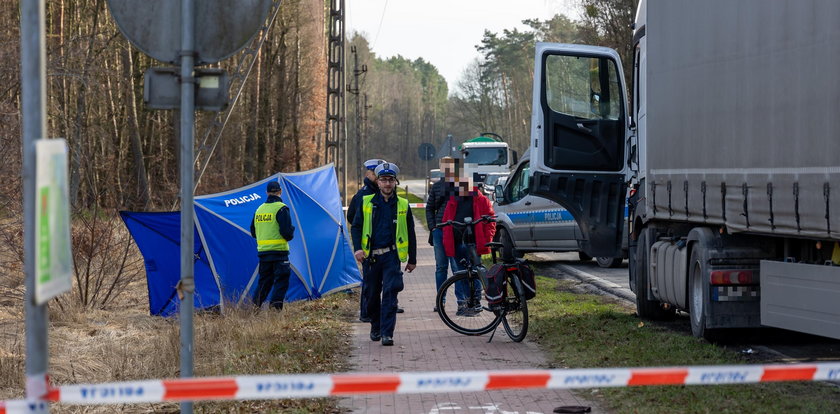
(273, 273)
(384, 281)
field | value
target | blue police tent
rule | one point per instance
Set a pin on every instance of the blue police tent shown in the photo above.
(226, 264)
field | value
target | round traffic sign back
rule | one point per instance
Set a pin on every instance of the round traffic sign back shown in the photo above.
(426, 151)
(222, 27)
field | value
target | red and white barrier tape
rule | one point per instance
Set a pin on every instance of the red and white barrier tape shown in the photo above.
(324, 385)
(23, 407)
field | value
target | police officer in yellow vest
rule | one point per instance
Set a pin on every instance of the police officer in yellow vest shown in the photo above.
(383, 236)
(272, 227)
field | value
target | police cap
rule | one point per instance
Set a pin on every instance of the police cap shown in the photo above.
(272, 187)
(387, 169)
(373, 163)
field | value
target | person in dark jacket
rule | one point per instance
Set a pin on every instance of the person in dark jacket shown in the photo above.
(368, 188)
(272, 227)
(435, 205)
(383, 236)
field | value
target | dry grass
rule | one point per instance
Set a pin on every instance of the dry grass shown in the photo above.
(125, 343)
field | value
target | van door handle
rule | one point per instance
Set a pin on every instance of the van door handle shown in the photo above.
(584, 128)
(527, 203)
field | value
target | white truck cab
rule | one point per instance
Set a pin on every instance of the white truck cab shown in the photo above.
(482, 157)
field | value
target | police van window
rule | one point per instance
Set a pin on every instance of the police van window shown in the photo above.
(519, 186)
(583, 87)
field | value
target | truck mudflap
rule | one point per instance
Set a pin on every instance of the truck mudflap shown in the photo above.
(595, 201)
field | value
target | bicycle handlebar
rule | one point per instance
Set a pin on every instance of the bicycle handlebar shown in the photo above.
(484, 218)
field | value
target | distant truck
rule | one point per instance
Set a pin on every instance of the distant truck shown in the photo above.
(730, 151)
(486, 154)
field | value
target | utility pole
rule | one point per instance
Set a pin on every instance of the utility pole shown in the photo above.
(365, 131)
(335, 147)
(354, 89)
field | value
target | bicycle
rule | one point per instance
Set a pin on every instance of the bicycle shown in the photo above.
(478, 316)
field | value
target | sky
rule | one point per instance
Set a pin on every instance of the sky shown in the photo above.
(442, 32)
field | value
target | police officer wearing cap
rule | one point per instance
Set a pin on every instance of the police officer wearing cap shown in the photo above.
(383, 236)
(272, 227)
(368, 188)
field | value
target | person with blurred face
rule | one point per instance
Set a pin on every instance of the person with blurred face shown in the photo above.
(438, 196)
(383, 236)
(466, 201)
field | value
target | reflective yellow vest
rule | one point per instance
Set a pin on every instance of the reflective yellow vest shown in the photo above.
(402, 226)
(269, 238)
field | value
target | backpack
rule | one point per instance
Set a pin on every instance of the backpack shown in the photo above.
(496, 283)
(529, 285)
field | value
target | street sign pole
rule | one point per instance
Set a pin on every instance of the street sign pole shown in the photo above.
(187, 179)
(33, 97)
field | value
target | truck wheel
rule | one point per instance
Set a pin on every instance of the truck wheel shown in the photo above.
(698, 297)
(607, 262)
(584, 257)
(646, 309)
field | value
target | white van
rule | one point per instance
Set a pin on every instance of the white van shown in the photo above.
(529, 223)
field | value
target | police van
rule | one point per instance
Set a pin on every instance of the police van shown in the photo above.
(527, 223)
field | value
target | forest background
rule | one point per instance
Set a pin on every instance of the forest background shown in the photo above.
(125, 157)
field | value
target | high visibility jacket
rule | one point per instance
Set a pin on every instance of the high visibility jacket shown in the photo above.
(401, 235)
(269, 238)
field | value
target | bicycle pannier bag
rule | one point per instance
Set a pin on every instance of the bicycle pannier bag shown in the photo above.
(529, 285)
(495, 290)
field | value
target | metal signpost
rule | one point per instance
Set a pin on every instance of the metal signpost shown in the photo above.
(426, 152)
(33, 110)
(166, 31)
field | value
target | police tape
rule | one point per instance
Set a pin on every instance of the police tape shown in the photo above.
(261, 387)
(22, 407)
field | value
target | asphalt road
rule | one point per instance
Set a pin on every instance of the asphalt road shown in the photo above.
(416, 187)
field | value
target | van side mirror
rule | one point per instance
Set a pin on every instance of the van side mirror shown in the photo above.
(515, 158)
(499, 194)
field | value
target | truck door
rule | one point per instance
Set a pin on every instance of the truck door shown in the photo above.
(578, 139)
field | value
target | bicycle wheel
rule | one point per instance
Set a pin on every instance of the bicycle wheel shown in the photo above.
(515, 318)
(476, 318)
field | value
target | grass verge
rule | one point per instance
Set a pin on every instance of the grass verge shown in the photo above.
(589, 331)
(128, 344)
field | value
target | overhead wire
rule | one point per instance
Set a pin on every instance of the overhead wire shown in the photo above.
(379, 29)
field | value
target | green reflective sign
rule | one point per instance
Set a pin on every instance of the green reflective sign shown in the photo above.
(53, 255)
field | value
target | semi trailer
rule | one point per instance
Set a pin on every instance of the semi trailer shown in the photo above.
(726, 150)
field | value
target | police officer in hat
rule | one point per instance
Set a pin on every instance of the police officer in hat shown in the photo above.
(368, 188)
(272, 227)
(383, 236)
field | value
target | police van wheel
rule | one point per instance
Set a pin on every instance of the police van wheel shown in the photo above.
(508, 248)
(607, 262)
